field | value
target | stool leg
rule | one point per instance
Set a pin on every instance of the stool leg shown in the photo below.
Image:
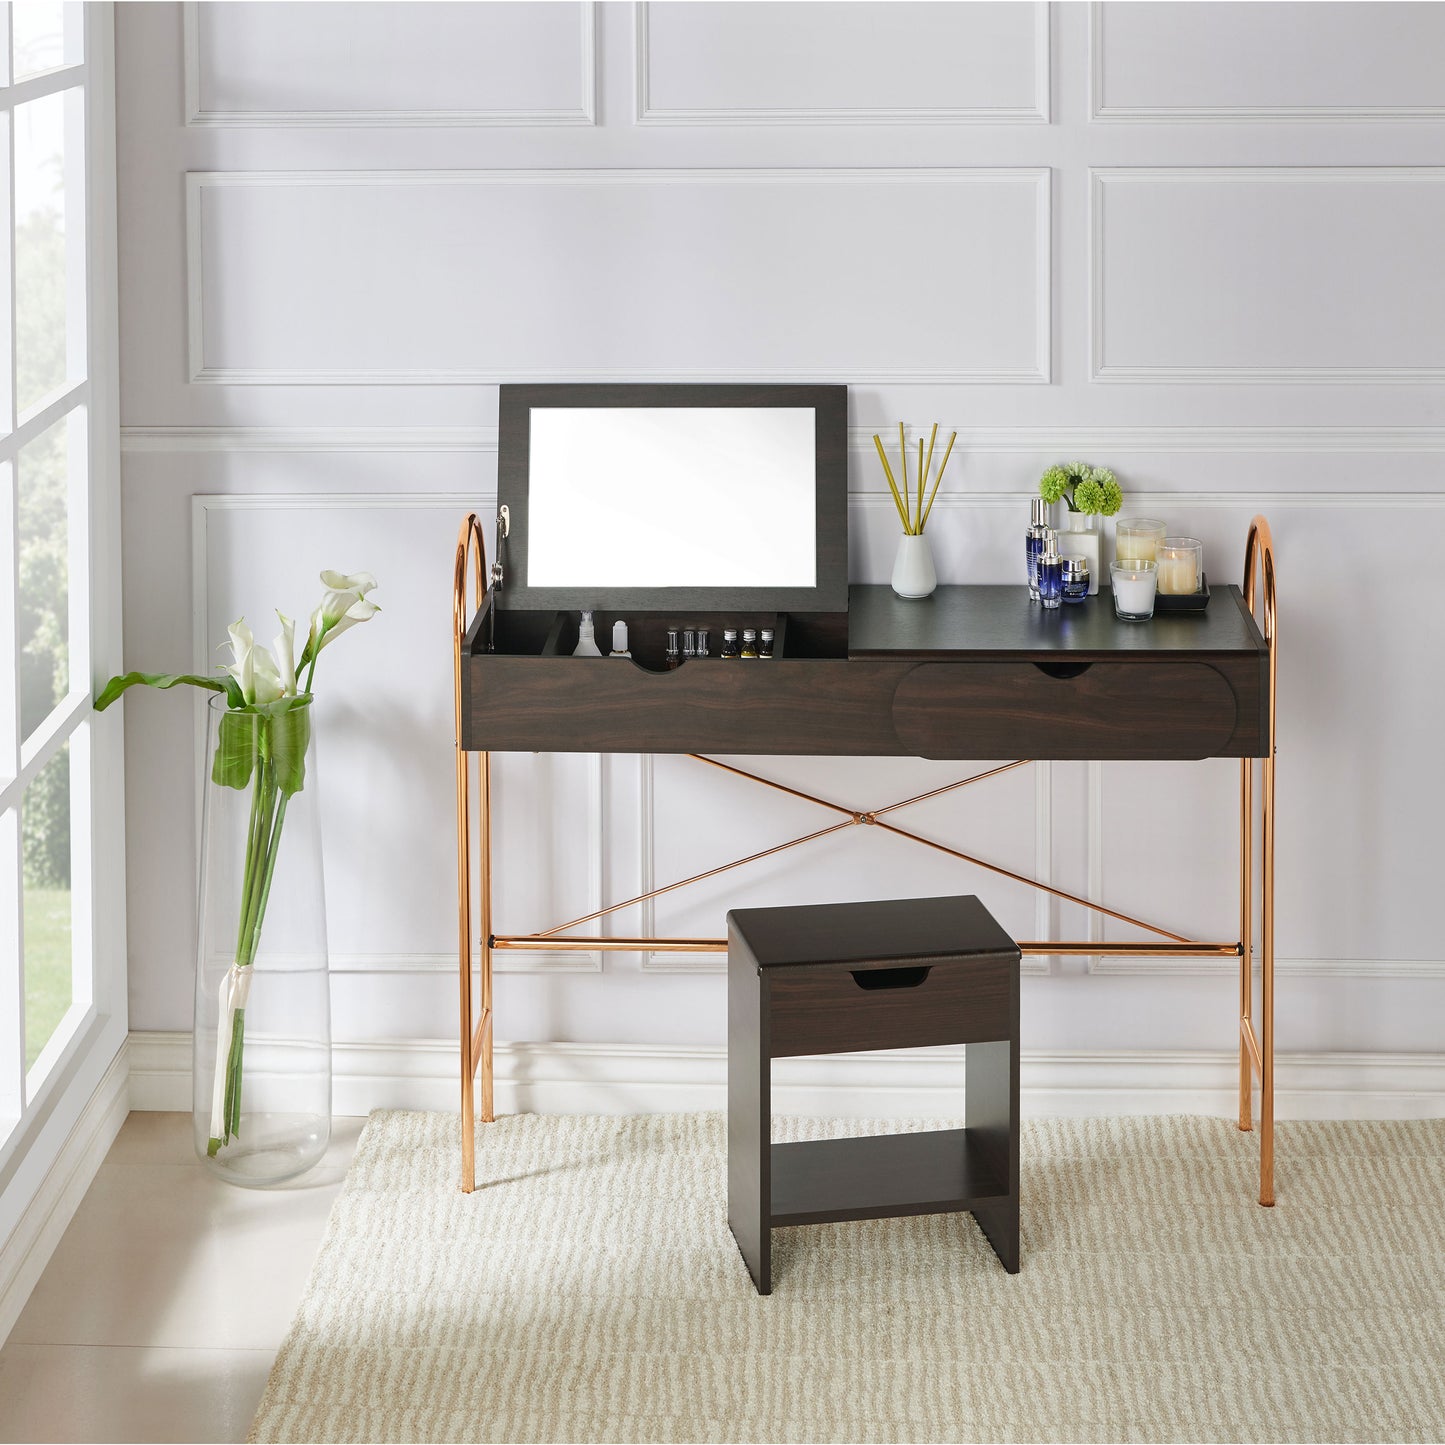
(750, 1124)
(991, 1113)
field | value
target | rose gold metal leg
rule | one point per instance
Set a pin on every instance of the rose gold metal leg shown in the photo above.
(1260, 548)
(1266, 1005)
(1246, 938)
(469, 542)
(484, 768)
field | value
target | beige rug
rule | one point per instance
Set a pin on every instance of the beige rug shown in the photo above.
(591, 1291)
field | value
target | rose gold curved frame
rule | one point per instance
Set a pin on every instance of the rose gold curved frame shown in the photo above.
(1256, 1051)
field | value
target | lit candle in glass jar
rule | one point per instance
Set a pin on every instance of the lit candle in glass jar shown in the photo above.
(1181, 564)
(1137, 539)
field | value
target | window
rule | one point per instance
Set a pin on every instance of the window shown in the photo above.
(61, 970)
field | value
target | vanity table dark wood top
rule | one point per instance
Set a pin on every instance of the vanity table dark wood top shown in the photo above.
(971, 672)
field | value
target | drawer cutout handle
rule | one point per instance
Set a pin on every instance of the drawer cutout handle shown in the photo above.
(1063, 670)
(890, 977)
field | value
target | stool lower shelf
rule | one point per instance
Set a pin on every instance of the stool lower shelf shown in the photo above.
(939, 1171)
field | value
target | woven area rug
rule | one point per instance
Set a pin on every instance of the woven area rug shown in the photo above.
(589, 1290)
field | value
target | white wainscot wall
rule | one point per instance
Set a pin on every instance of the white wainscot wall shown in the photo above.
(1078, 240)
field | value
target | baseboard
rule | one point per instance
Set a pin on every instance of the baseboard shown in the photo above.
(27, 1251)
(650, 1078)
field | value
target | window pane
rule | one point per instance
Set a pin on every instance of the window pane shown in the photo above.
(43, 35)
(44, 618)
(45, 845)
(48, 234)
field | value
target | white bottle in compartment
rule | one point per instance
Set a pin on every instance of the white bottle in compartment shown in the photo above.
(586, 642)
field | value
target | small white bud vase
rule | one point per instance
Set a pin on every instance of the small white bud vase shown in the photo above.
(913, 574)
(1079, 539)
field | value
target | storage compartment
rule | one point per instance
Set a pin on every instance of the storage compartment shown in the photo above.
(530, 694)
(1065, 708)
(827, 1009)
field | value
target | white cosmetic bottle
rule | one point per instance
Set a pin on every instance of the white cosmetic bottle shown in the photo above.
(586, 642)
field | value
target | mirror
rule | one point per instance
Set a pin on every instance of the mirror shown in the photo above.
(672, 497)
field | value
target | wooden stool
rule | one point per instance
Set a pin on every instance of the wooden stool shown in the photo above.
(838, 978)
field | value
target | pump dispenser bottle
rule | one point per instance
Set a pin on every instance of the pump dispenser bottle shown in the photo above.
(1051, 572)
(586, 641)
(1034, 540)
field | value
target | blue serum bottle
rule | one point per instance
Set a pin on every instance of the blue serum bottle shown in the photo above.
(1034, 540)
(1051, 573)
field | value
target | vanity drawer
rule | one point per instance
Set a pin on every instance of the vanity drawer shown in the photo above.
(832, 1009)
(1134, 709)
(773, 706)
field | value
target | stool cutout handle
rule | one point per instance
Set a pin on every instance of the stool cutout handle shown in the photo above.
(890, 977)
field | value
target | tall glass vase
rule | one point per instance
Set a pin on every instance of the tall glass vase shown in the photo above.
(261, 1069)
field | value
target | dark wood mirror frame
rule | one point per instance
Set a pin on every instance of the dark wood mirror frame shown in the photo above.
(830, 407)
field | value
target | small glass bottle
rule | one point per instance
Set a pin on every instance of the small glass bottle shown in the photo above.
(1034, 540)
(765, 642)
(730, 642)
(750, 642)
(1051, 574)
(673, 657)
(1076, 578)
(689, 643)
(702, 642)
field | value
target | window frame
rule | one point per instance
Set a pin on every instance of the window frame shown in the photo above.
(43, 1106)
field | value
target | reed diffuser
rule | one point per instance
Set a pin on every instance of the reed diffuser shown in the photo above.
(913, 573)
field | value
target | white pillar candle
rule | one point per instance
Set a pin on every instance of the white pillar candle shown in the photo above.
(1133, 588)
(1137, 539)
(1179, 562)
(1178, 576)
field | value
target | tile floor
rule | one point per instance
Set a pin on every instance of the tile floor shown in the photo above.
(158, 1316)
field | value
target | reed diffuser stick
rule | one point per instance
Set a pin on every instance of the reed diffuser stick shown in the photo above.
(907, 494)
(892, 485)
(928, 465)
(920, 484)
(947, 452)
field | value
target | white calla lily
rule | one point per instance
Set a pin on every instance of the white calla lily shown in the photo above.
(242, 668)
(361, 610)
(266, 677)
(285, 646)
(358, 582)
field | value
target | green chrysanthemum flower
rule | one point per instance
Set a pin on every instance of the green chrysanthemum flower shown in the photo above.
(1089, 497)
(1113, 497)
(1079, 471)
(1054, 483)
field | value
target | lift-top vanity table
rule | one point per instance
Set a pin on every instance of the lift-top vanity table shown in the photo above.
(971, 672)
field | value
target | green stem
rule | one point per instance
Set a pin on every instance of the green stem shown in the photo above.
(252, 834)
(261, 869)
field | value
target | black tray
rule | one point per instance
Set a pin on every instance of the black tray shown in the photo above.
(1186, 602)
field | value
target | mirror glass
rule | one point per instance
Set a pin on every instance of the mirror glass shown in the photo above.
(671, 497)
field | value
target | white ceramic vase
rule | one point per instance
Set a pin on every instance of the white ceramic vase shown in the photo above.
(1079, 539)
(913, 574)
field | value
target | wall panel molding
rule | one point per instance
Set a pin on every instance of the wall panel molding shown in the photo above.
(1101, 110)
(197, 114)
(1116, 440)
(639, 1078)
(1037, 113)
(1039, 234)
(205, 629)
(1100, 182)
